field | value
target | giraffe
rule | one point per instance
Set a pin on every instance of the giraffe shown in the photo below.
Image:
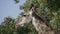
(40, 25)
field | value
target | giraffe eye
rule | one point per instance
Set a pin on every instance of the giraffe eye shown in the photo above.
(24, 15)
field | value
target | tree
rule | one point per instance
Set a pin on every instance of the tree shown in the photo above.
(7, 27)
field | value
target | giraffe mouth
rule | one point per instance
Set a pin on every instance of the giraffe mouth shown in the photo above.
(21, 25)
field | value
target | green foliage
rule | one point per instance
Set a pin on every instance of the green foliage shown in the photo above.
(7, 27)
(27, 30)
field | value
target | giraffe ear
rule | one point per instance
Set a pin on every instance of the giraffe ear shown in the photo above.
(32, 5)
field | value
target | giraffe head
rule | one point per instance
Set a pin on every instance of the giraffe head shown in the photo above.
(26, 18)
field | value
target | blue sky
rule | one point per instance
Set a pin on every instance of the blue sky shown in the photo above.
(9, 8)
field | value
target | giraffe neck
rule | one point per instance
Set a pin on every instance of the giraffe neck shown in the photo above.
(41, 27)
